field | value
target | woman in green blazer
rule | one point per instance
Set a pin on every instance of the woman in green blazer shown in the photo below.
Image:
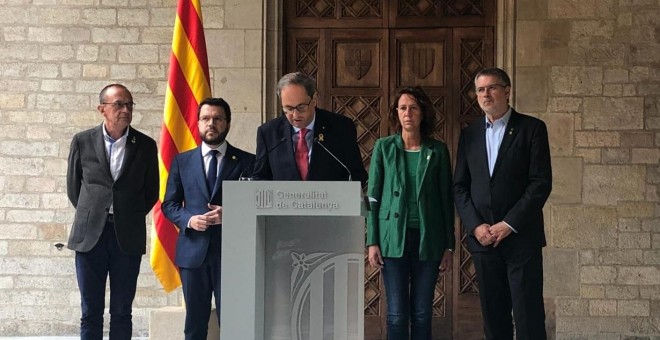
(410, 229)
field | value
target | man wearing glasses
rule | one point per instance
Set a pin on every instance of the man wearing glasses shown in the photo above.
(293, 146)
(193, 202)
(112, 181)
(503, 178)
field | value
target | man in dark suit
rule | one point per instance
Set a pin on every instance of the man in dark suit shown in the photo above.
(286, 156)
(112, 181)
(503, 178)
(193, 202)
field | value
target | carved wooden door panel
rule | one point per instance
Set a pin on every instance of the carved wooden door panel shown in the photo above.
(424, 57)
(361, 52)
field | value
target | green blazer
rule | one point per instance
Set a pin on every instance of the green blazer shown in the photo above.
(386, 220)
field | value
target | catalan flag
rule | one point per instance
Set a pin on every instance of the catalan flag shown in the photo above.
(188, 84)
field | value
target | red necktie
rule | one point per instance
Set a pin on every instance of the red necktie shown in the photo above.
(302, 157)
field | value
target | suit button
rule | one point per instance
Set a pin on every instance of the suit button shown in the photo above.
(396, 194)
(492, 184)
(396, 215)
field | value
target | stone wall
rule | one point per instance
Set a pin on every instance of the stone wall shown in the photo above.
(55, 56)
(591, 70)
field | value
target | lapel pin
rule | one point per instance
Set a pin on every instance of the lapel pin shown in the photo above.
(233, 157)
(428, 157)
(321, 137)
(133, 140)
(511, 131)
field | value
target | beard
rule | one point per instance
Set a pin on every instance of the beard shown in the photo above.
(217, 140)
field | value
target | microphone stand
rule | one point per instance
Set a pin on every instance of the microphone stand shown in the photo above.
(251, 166)
(317, 141)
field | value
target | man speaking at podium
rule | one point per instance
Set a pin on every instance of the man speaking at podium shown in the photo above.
(307, 143)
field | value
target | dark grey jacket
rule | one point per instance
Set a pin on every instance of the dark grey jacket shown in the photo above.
(92, 190)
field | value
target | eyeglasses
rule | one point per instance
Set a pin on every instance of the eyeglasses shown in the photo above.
(213, 120)
(120, 105)
(300, 108)
(489, 88)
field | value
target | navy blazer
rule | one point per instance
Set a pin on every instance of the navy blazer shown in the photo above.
(517, 190)
(187, 195)
(336, 132)
(91, 190)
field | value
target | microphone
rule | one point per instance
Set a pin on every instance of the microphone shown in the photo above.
(317, 141)
(251, 166)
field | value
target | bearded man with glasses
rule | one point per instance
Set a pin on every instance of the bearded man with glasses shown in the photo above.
(113, 182)
(288, 146)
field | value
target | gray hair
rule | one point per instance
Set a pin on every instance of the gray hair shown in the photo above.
(297, 78)
(495, 72)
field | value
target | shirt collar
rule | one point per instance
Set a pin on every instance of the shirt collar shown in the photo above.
(107, 137)
(222, 148)
(502, 121)
(309, 127)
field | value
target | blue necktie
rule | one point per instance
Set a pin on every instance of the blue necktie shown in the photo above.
(212, 174)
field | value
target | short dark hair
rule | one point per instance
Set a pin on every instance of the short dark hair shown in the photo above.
(105, 89)
(425, 108)
(297, 78)
(495, 72)
(219, 102)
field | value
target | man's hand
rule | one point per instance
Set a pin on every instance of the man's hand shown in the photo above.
(375, 258)
(483, 235)
(499, 231)
(203, 222)
(215, 213)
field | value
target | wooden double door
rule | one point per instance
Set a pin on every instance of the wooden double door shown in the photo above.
(361, 52)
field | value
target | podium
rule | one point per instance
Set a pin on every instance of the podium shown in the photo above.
(292, 261)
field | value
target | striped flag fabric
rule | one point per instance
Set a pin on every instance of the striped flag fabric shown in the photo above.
(188, 84)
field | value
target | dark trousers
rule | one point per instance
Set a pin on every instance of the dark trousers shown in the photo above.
(198, 285)
(511, 280)
(409, 287)
(92, 270)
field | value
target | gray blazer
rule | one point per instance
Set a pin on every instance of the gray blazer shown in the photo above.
(92, 190)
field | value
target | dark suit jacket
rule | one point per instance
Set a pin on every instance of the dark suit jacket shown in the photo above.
(386, 222)
(517, 190)
(187, 195)
(336, 132)
(91, 190)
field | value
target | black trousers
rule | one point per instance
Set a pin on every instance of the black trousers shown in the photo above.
(198, 286)
(92, 270)
(511, 279)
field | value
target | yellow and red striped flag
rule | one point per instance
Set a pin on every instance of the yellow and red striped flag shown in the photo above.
(188, 84)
